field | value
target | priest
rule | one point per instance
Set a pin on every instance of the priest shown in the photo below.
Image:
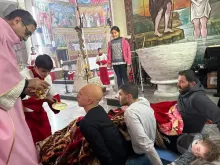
(17, 147)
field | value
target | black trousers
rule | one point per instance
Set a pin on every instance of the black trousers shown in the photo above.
(121, 73)
(170, 142)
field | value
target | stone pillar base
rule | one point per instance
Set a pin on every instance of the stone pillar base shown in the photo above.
(166, 88)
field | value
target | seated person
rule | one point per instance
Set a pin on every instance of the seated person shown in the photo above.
(140, 121)
(194, 106)
(201, 147)
(103, 136)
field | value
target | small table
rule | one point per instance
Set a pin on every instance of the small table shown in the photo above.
(212, 55)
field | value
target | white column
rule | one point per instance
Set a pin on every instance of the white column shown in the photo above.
(28, 43)
(119, 16)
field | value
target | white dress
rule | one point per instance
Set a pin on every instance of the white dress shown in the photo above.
(199, 9)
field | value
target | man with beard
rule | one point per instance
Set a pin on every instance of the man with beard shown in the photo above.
(193, 104)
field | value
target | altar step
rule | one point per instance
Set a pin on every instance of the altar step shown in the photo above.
(70, 95)
(61, 81)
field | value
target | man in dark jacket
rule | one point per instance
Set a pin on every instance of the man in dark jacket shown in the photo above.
(193, 104)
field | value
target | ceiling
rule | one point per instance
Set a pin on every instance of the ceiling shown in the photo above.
(5, 3)
(3, 6)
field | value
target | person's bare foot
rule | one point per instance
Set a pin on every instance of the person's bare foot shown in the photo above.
(158, 34)
(168, 30)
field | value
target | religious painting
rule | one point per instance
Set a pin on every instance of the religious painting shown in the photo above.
(84, 1)
(62, 15)
(94, 38)
(95, 16)
(92, 2)
(60, 41)
(44, 22)
(158, 22)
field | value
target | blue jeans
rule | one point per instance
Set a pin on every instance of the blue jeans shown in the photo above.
(142, 160)
(138, 160)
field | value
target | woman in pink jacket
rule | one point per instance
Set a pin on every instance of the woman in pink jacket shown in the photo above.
(119, 56)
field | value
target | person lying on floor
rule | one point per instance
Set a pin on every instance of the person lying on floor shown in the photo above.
(201, 147)
(141, 124)
(102, 134)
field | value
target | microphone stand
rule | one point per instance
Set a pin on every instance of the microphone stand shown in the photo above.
(65, 83)
(64, 76)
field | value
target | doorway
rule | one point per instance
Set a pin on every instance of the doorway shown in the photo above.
(62, 55)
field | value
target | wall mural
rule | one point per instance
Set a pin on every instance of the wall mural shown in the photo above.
(57, 19)
(63, 16)
(94, 38)
(159, 22)
(94, 16)
(92, 2)
(44, 22)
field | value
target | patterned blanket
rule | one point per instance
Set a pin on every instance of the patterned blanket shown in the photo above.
(61, 148)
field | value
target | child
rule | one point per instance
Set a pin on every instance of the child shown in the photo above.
(119, 56)
(35, 115)
(101, 60)
(201, 147)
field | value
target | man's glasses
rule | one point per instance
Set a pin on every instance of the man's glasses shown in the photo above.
(27, 32)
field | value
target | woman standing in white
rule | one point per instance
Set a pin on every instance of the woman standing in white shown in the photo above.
(200, 11)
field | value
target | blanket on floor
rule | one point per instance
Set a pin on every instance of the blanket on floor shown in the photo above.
(61, 148)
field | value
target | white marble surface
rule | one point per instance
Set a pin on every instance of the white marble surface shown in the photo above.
(73, 111)
(62, 119)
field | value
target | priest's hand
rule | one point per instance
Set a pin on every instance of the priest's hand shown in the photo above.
(37, 84)
(50, 99)
(29, 92)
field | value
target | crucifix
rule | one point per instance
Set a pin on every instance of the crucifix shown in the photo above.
(81, 37)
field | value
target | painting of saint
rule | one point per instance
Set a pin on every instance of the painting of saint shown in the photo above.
(158, 9)
(43, 20)
(200, 12)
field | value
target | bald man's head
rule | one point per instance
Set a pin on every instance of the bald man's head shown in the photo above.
(89, 95)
